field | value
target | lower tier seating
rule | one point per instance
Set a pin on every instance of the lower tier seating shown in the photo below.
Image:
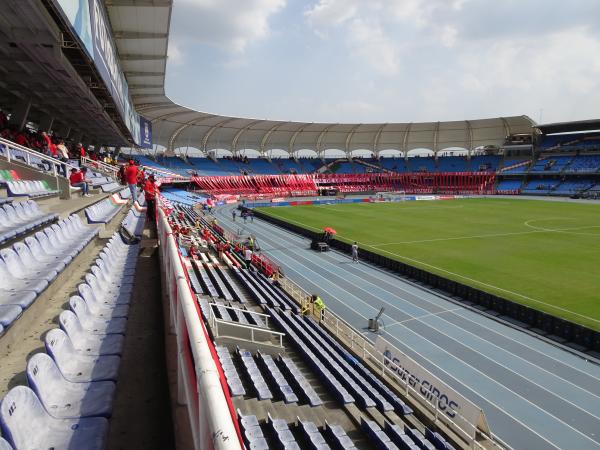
(28, 267)
(19, 218)
(102, 212)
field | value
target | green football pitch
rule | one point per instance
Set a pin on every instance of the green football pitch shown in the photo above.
(539, 253)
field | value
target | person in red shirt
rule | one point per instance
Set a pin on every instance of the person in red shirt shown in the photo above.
(131, 172)
(77, 180)
(81, 150)
(150, 191)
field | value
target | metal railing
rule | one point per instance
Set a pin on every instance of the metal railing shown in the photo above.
(247, 332)
(265, 317)
(199, 384)
(13, 151)
(101, 166)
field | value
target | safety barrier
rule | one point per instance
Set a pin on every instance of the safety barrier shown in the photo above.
(200, 383)
(100, 166)
(12, 151)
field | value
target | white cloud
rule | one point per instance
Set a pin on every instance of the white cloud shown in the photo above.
(228, 24)
(374, 46)
(330, 12)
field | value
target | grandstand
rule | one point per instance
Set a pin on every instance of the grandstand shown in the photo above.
(174, 319)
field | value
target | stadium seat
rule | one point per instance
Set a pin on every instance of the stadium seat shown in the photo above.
(102, 212)
(77, 367)
(98, 325)
(8, 314)
(233, 379)
(258, 382)
(4, 445)
(87, 342)
(66, 400)
(28, 188)
(27, 425)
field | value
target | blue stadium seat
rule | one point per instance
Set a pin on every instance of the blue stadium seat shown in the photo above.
(233, 379)
(66, 400)
(27, 425)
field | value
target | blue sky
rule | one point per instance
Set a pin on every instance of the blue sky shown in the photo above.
(386, 60)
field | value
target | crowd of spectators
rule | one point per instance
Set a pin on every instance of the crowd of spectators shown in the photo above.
(51, 144)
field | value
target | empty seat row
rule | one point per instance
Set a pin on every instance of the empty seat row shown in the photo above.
(110, 187)
(337, 367)
(231, 374)
(258, 382)
(102, 212)
(300, 380)
(29, 188)
(282, 434)
(133, 222)
(339, 391)
(363, 375)
(28, 267)
(285, 390)
(71, 388)
(4, 200)
(19, 218)
(252, 433)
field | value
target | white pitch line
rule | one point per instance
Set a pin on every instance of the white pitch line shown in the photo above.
(481, 283)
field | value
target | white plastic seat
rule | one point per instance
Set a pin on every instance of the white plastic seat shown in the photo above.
(96, 308)
(66, 400)
(106, 293)
(89, 343)
(97, 325)
(76, 367)
(27, 425)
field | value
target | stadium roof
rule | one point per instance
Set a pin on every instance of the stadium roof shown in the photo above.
(569, 127)
(141, 30)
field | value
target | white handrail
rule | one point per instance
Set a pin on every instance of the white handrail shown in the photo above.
(54, 163)
(100, 165)
(199, 385)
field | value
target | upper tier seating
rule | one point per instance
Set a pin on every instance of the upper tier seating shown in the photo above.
(540, 186)
(19, 218)
(29, 188)
(584, 164)
(551, 163)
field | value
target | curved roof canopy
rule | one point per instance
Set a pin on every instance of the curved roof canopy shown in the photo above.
(142, 46)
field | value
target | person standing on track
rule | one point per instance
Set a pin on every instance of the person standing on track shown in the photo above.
(233, 214)
(355, 252)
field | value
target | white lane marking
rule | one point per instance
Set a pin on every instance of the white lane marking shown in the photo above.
(417, 318)
(561, 230)
(537, 350)
(486, 357)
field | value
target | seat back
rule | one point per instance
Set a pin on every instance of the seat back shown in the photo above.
(80, 306)
(4, 445)
(43, 375)
(70, 324)
(20, 412)
(59, 346)
(13, 262)
(25, 255)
